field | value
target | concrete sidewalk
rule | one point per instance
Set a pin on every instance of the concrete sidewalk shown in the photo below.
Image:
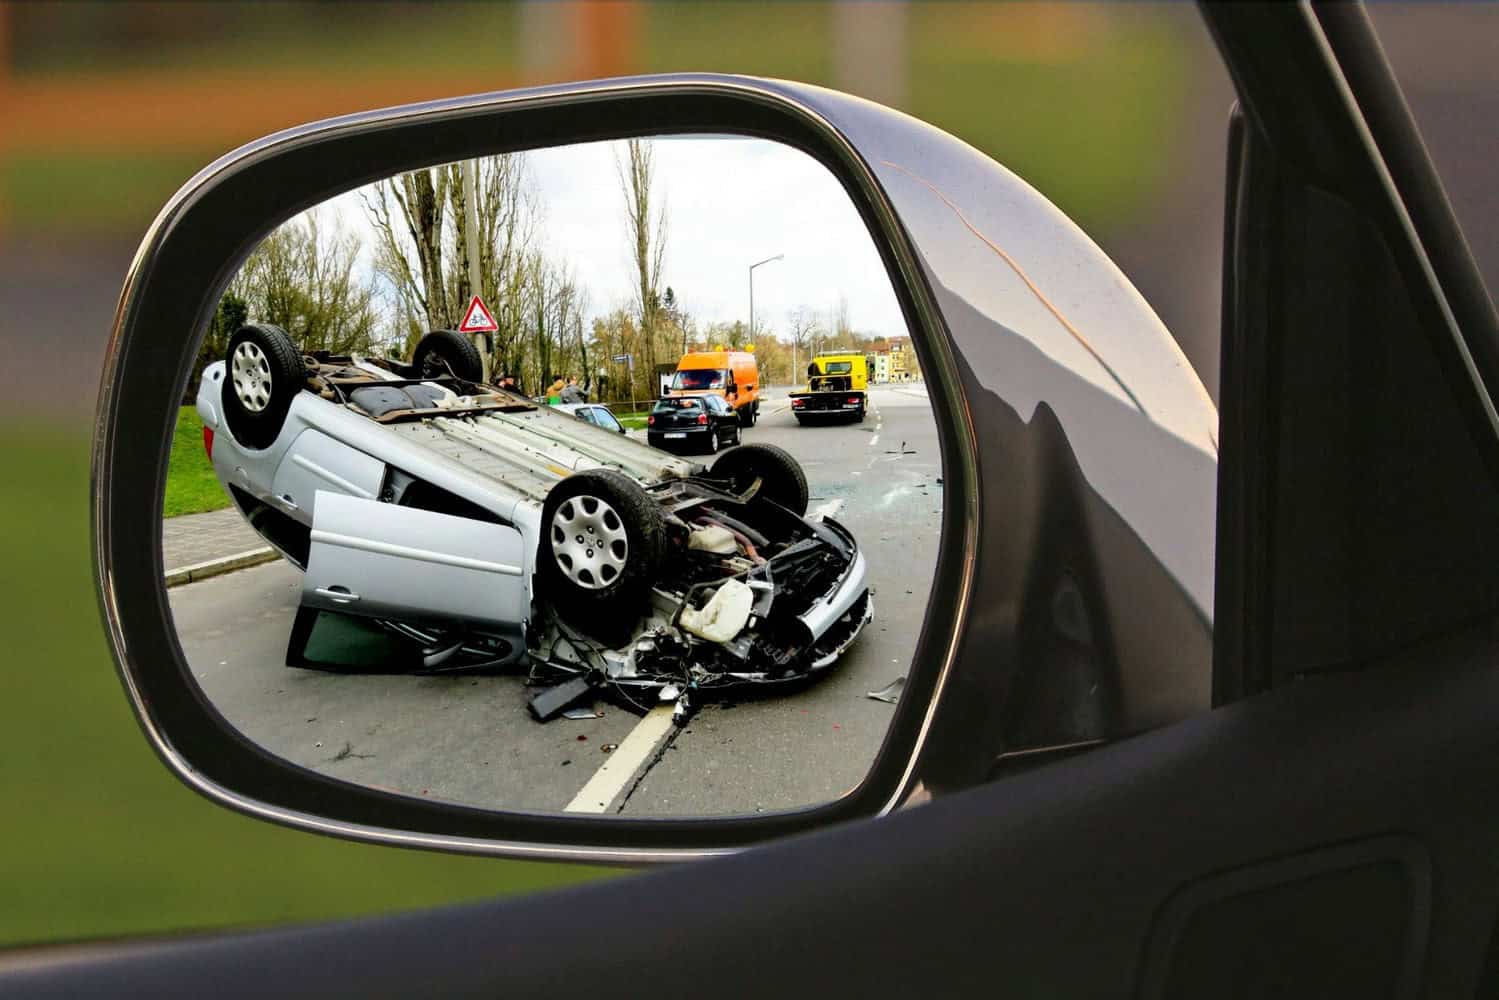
(197, 546)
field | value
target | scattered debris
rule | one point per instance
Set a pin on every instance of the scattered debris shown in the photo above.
(890, 692)
(348, 751)
(582, 738)
(548, 703)
(609, 747)
(582, 712)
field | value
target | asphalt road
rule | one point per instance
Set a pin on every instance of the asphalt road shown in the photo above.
(471, 739)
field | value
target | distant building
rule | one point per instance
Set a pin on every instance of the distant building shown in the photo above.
(882, 367)
(903, 364)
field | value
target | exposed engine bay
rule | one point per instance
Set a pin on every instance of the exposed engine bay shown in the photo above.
(750, 596)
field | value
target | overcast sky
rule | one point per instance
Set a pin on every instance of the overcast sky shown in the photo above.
(730, 201)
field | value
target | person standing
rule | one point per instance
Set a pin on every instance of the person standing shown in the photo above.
(554, 393)
(573, 392)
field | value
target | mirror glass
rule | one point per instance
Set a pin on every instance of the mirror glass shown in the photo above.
(597, 479)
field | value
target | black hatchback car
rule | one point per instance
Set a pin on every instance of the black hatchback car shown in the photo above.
(695, 423)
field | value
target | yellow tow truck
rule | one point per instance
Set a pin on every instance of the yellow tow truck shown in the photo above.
(837, 389)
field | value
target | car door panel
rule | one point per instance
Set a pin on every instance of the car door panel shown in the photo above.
(388, 561)
(317, 462)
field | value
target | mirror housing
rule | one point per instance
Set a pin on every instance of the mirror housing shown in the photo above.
(1072, 597)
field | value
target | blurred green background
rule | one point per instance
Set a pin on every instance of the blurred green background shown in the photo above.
(1117, 112)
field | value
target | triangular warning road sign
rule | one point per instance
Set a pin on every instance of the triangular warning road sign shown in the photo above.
(478, 319)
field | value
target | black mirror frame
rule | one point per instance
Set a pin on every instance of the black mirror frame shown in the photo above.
(198, 242)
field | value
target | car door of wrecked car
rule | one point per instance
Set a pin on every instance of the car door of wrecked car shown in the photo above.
(419, 567)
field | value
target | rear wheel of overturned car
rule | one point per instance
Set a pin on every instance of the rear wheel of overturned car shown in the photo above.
(781, 476)
(444, 352)
(601, 548)
(264, 373)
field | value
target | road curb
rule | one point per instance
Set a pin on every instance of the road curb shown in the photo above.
(220, 566)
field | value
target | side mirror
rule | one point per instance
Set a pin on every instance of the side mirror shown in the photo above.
(545, 642)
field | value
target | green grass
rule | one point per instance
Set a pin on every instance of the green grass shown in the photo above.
(788, 40)
(1088, 118)
(192, 488)
(98, 838)
(68, 192)
(632, 421)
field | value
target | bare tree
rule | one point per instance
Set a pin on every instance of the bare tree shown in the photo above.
(408, 213)
(843, 331)
(508, 217)
(803, 326)
(647, 241)
(303, 278)
(421, 227)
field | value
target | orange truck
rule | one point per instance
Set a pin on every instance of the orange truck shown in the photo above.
(734, 375)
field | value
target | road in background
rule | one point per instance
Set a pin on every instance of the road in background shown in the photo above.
(471, 739)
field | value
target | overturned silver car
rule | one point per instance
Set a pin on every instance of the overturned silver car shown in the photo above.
(473, 529)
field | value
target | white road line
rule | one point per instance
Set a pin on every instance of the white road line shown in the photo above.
(627, 758)
(828, 509)
(874, 440)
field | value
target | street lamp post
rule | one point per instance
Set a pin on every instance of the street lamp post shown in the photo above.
(752, 267)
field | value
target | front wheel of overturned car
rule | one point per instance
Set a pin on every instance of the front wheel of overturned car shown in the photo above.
(265, 372)
(442, 352)
(781, 477)
(601, 549)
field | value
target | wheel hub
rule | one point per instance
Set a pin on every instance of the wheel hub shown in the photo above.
(589, 542)
(251, 376)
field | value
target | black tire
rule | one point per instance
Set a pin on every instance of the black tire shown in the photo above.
(783, 481)
(607, 608)
(271, 374)
(713, 443)
(749, 415)
(801, 420)
(447, 351)
(738, 436)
